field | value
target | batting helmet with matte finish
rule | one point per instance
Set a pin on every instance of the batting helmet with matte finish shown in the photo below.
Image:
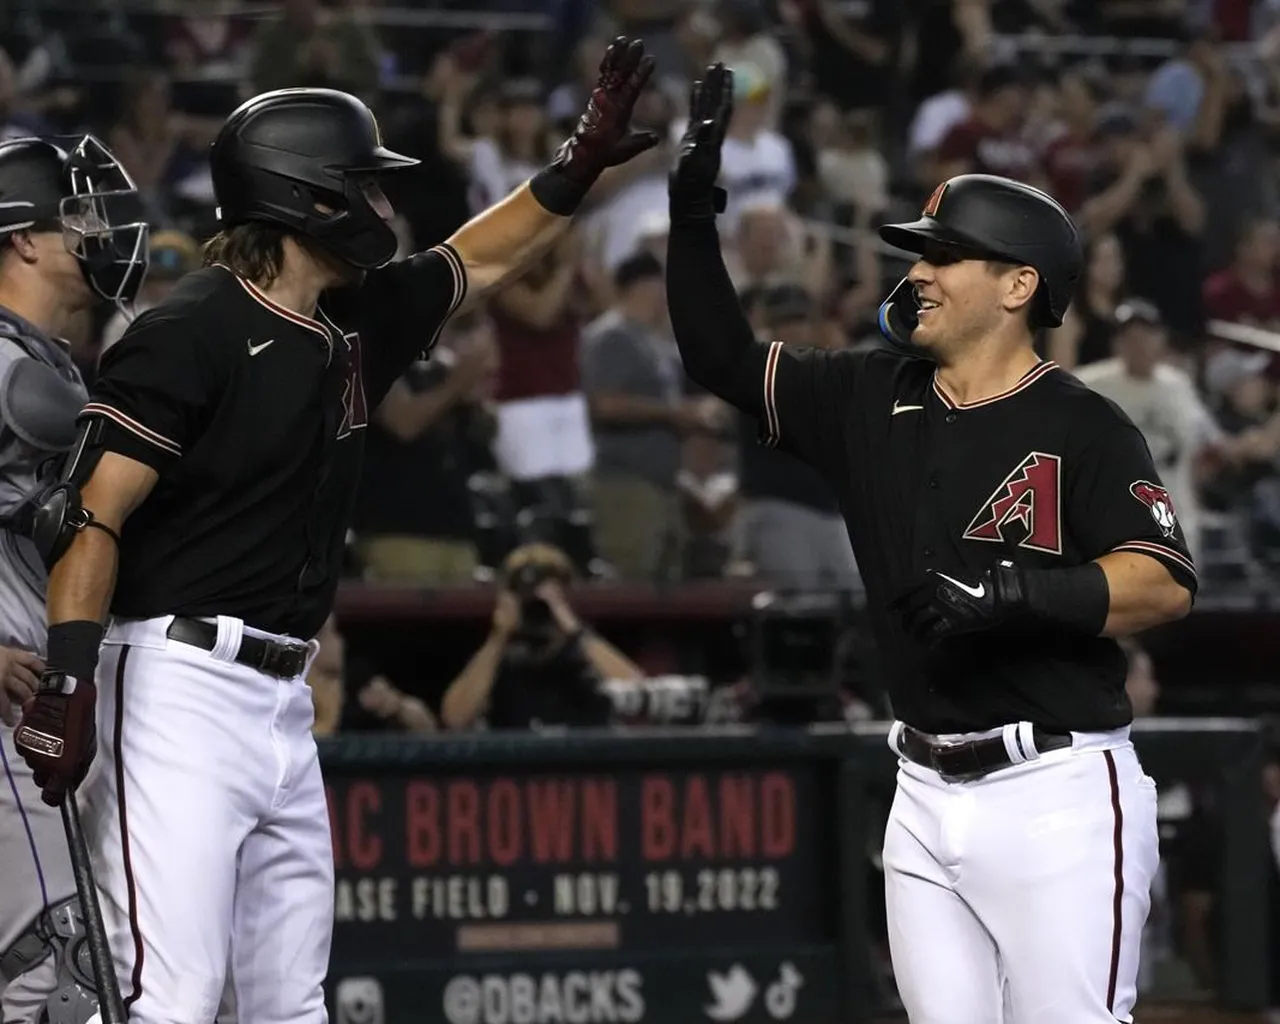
(78, 187)
(305, 159)
(988, 217)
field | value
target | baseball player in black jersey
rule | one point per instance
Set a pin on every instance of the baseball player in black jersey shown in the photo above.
(71, 236)
(220, 454)
(1009, 525)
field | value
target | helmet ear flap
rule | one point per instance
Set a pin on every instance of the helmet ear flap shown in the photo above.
(899, 315)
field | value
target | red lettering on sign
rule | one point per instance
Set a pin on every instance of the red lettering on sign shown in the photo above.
(463, 799)
(504, 822)
(777, 815)
(696, 838)
(364, 846)
(422, 824)
(551, 820)
(737, 816)
(599, 820)
(657, 821)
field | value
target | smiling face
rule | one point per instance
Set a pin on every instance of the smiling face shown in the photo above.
(964, 298)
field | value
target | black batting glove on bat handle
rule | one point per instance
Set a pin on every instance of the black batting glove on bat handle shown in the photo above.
(603, 136)
(943, 606)
(691, 186)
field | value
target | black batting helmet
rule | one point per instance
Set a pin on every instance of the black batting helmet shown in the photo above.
(987, 217)
(304, 159)
(81, 190)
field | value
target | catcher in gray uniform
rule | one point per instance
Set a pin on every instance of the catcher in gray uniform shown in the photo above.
(72, 234)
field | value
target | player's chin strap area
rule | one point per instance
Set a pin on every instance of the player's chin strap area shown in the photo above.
(899, 315)
(58, 514)
(57, 931)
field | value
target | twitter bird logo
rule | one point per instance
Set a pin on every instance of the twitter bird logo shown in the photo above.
(733, 992)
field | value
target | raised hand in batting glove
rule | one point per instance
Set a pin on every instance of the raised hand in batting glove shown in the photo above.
(942, 606)
(56, 736)
(692, 184)
(603, 136)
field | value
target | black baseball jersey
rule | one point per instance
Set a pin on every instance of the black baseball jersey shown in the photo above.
(254, 418)
(1048, 474)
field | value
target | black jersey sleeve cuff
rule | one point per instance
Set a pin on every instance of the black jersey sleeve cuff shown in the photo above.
(1182, 568)
(134, 440)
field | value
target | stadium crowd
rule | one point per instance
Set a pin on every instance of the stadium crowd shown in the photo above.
(561, 413)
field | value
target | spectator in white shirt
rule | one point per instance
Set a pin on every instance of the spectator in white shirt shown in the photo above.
(1163, 403)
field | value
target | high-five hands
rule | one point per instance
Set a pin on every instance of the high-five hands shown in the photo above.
(692, 184)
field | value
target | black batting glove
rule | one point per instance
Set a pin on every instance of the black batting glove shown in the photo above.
(942, 606)
(603, 137)
(691, 186)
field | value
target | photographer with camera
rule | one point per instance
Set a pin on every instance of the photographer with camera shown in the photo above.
(540, 665)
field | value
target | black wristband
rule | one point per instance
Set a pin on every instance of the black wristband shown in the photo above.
(558, 193)
(73, 648)
(1078, 598)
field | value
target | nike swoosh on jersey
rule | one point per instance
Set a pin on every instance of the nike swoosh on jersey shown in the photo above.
(904, 408)
(255, 349)
(972, 591)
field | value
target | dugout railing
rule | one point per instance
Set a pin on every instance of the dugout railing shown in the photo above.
(684, 875)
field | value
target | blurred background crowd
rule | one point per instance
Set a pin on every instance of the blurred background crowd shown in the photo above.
(560, 413)
(553, 437)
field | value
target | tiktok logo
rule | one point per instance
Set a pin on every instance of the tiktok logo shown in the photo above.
(780, 997)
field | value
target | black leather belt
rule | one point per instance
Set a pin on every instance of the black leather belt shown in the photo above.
(973, 758)
(284, 661)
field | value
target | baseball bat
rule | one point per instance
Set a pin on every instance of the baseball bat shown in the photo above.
(110, 1005)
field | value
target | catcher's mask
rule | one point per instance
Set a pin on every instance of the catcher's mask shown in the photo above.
(982, 216)
(83, 191)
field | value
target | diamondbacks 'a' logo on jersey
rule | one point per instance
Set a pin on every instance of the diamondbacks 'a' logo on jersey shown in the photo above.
(355, 411)
(1157, 500)
(1026, 509)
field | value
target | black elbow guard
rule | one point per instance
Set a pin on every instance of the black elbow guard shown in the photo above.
(57, 514)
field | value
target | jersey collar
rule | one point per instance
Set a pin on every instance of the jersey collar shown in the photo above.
(1030, 377)
(260, 297)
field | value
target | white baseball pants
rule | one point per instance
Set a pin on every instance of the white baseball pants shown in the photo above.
(1020, 898)
(210, 831)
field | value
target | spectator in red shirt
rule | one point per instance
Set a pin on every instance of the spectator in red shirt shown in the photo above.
(544, 443)
(1072, 157)
(1248, 291)
(989, 141)
(207, 43)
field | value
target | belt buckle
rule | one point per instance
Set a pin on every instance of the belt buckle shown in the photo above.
(284, 661)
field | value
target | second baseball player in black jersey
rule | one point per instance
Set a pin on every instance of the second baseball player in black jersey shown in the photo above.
(1009, 524)
(1045, 474)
